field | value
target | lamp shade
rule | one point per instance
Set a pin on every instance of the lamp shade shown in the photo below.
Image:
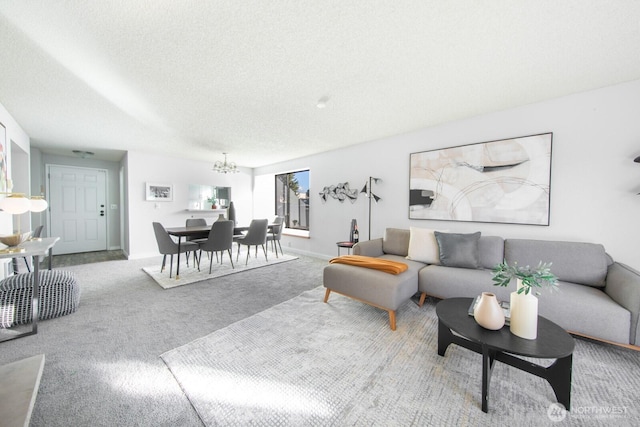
(15, 204)
(38, 204)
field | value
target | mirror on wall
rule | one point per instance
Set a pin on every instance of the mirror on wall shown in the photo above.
(199, 196)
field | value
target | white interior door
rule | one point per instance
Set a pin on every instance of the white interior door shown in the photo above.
(78, 208)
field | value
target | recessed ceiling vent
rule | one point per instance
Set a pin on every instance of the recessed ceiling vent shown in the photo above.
(83, 154)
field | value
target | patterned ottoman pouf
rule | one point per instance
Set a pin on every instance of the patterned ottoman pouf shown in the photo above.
(59, 296)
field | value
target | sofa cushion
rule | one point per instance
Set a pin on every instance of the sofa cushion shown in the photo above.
(586, 310)
(450, 282)
(396, 241)
(414, 266)
(576, 262)
(423, 246)
(490, 251)
(458, 250)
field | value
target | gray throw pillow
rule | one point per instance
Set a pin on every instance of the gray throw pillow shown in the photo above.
(458, 250)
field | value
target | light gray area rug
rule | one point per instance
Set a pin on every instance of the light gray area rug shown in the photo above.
(190, 274)
(304, 362)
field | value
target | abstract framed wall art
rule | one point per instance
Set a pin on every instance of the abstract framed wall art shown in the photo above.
(504, 181)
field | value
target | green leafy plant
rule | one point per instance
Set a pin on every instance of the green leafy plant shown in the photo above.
(538, 277)
(212, 200)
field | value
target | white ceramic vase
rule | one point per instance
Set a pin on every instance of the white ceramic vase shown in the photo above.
(524, 315)
(488, 312)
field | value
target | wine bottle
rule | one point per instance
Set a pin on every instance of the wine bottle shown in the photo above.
(356, 235)
(354, 224)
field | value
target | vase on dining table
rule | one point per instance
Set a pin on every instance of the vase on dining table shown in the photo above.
(231, 212)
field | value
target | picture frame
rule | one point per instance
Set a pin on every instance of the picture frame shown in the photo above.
(159, 192)
(502, 181)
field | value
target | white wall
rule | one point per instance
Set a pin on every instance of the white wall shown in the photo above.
(594, 181)
(16, 136)
(36, 169)
(593, 184)
(142, 168)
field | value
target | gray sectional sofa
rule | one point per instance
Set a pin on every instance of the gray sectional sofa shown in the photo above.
(596, 297)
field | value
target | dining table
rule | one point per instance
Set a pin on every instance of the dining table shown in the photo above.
(201, 232)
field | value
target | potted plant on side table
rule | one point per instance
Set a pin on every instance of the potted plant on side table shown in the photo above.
(213, 202)
(523, 302)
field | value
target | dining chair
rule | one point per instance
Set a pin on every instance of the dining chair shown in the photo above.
(256, 236)
(276, 234)
(220, 239)
(167, 246)
(194, 222)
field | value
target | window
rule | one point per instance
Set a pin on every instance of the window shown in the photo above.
(292, 199)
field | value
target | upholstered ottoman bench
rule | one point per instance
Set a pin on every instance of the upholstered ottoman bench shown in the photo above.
(383, 289)
(59, 296)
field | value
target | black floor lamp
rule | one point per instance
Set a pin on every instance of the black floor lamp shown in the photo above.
(367, 190)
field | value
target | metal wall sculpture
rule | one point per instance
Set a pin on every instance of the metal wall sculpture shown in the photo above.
(339, 192)
(506, 181)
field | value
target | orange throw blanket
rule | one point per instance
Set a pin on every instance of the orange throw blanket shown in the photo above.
(388, 266)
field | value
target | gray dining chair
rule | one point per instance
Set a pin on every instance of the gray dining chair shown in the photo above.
(220, 239)
(276, 234)
(167, 246)
(194, 222)
(256, 236)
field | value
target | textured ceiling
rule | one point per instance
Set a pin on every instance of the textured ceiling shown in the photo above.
(198, 78)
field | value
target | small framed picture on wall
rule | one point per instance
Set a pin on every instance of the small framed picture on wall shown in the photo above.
(159, 192)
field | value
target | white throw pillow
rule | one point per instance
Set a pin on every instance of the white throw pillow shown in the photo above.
(423, 245)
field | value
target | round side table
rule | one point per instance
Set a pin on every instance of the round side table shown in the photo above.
(347, 245)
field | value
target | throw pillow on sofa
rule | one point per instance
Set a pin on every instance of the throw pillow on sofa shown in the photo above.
(458, 250)
(423, 246)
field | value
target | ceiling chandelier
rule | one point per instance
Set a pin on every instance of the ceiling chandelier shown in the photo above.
(224, 167)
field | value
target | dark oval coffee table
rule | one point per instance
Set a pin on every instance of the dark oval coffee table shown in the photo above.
(552, 342)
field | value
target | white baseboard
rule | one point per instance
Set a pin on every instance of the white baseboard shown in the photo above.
(307, 253)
